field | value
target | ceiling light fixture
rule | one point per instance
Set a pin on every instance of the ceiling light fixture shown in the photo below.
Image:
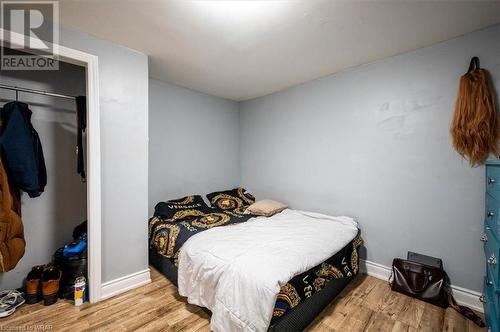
(240, 10)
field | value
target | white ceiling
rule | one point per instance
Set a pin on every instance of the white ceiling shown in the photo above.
(245, 49)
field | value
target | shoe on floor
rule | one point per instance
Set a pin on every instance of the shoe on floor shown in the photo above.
(34, 285)
(9, 302)
(5, 292)
(51, 278)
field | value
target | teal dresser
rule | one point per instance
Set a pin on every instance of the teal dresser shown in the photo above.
(491, 239)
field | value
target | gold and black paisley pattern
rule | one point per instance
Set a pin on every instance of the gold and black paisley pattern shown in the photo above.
(357, 242)
(211, 220)
(243, 195)
(161, 242)
(319, 283)
(240, 210)
(289, 295)
(164, 242)
(354, 260)
(278, 312)
(227, 202)
(176, 259)
(186, 213)
(152, 224)
(230, 199)
(329, 271)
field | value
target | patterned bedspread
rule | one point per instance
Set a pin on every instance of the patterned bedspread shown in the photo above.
(167, 236)
(185, 217)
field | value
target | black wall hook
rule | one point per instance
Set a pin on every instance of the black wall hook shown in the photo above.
(474, 64)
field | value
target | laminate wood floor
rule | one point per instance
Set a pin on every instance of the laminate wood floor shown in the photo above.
(367, 304)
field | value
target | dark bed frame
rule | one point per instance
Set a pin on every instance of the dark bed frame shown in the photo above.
(297, 319)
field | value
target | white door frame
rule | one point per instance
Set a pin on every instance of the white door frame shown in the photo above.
(90, 63)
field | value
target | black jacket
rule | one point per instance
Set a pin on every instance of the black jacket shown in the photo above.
(21, 149)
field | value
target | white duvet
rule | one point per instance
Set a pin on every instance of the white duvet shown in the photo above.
(237, 271)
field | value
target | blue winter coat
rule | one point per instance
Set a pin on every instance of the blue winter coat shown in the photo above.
(22, 150)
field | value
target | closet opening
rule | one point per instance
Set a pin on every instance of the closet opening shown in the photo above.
(52, 220)
(55, 218)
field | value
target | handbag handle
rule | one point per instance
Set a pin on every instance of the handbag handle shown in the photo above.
(426, 280)
(424, 286)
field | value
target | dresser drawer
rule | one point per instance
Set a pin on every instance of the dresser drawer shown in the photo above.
(492, 214)
(493, 181)
(490, 303)
(492, 253)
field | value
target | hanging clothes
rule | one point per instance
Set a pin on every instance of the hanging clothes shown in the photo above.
(22, 150)
(12, 243)
(81, 114)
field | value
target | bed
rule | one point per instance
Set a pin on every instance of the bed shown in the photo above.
(254, 273)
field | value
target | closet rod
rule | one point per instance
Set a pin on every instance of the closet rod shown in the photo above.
(39, 92)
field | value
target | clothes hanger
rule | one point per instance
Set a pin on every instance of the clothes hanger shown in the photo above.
(474, 64)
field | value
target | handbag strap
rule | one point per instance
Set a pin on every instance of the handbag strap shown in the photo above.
(464, 311)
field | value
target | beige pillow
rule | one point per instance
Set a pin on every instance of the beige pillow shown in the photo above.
(265, 207)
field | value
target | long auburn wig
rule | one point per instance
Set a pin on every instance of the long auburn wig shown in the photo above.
(475, 129)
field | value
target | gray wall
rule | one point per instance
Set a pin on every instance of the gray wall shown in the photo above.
(49, 219)
(193, 143)
(123, 90)
(372, 142)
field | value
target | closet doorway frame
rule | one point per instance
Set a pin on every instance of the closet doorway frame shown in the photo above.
(90, 63)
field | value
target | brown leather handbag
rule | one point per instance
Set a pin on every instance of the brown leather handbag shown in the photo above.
(427, 283)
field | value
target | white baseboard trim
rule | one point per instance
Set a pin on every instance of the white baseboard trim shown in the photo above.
(125, 283)
(462, 295)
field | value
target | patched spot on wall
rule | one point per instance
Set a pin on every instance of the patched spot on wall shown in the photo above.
(395, 117)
